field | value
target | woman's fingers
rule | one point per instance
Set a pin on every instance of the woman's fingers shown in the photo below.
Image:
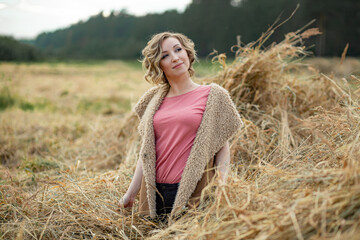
(126, 202)
(130, 203)
(123, 202)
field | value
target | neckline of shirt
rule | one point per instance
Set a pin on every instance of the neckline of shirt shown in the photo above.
(184, 93)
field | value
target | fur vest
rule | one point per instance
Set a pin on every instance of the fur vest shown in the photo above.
(219, 123)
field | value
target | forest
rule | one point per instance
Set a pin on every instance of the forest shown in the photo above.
(13, 50)
(212, 24)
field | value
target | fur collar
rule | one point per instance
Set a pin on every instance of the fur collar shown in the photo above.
(220, 122)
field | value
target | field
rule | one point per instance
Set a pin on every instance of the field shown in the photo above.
(68, 149)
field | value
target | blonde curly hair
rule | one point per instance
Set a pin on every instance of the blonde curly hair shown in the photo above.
(152, 56)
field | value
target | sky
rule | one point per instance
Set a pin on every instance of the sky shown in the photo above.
(25, 19)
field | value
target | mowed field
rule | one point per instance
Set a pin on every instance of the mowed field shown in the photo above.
(68, 149)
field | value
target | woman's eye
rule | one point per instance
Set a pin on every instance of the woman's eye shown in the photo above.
(164, 56)
(178, 49)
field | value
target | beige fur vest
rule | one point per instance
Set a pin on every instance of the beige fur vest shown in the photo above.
(220, 122)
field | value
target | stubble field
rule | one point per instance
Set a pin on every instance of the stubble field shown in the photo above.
(68, 149)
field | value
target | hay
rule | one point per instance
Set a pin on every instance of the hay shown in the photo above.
(295, 165)
(295, 170)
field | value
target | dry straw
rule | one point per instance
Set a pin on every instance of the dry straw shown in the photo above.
(295, 169)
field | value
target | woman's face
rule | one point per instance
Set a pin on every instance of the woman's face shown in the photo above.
(174, 58)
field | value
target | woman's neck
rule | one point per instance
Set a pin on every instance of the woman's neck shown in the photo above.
(181, 86)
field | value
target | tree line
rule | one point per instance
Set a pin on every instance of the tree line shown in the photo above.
(212, 24)
(13, 50)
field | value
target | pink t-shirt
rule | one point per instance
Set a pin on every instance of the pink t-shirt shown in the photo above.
(175, 126)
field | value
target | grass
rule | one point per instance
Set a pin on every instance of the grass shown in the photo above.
(104, 106)
(6, 100)
(38, 164)
(205, 68)
(107, 87)
(9, 100)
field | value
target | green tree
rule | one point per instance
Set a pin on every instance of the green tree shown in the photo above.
(212, 24)
(12, 50)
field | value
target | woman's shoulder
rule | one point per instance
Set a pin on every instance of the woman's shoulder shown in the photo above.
(218, 90)
(152, 90)
(221, 98)
(146, 97)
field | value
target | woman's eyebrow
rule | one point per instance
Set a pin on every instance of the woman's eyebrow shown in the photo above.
(173, 47)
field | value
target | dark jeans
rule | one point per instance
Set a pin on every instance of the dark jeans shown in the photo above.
(166, 199)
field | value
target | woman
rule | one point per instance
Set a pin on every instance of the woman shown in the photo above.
(185, 128)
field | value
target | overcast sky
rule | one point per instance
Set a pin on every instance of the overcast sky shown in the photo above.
(28, 18)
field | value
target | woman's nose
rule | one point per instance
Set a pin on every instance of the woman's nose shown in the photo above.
(175, 58)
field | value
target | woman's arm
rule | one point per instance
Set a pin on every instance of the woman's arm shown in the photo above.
(130, 195)
(222, 161)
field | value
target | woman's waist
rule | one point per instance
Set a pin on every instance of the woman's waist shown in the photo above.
(167, 186)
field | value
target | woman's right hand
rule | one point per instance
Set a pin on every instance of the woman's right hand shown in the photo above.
(126, 201)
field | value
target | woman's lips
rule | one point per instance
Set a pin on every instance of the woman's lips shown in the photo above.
(178, 65)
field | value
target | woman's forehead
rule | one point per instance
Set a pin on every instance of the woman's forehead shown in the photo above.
(169, 43)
